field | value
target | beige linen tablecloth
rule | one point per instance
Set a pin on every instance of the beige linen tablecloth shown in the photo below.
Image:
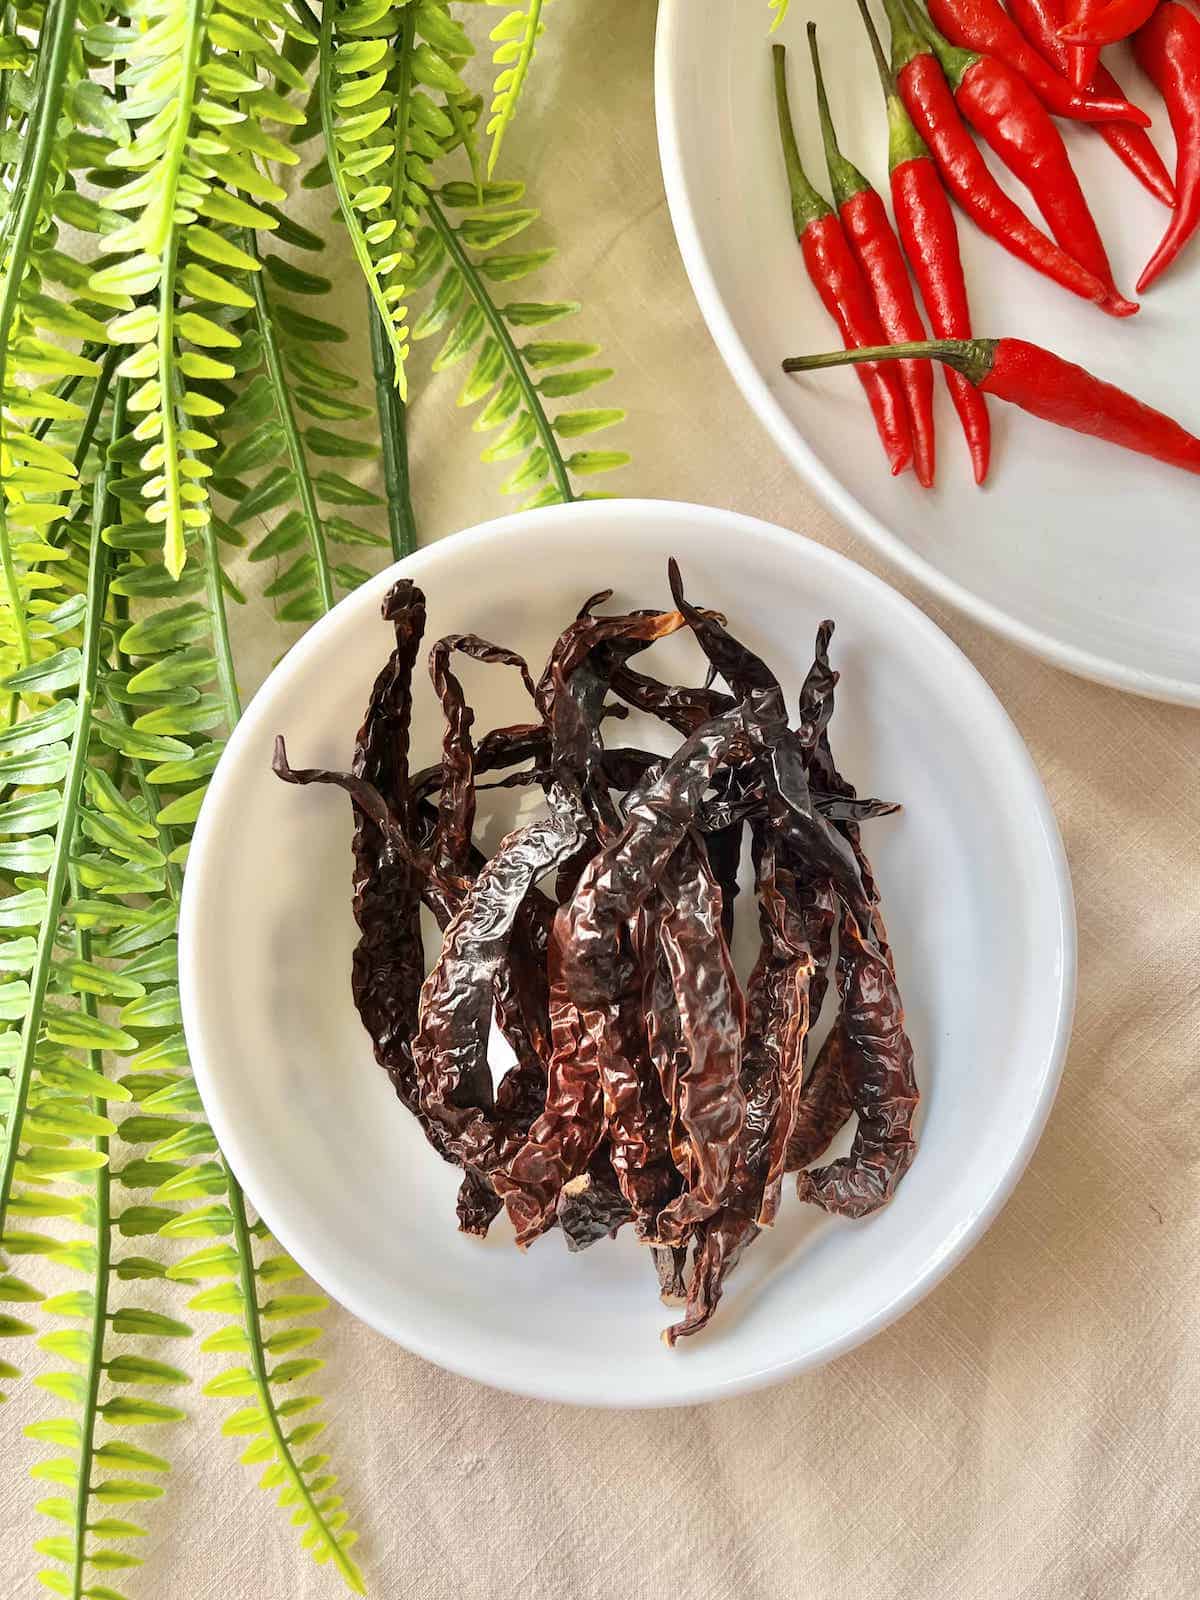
(1031, 1429)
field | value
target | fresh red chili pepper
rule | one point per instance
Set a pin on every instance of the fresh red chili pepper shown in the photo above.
(838, 279)
(1110, 24)
(1046, 386)
(1004, 110)
(925, 222)
(985, 26)
(1168, 52)
(927, 97)
(878, 253)
(1039, 21)
(1083, 60)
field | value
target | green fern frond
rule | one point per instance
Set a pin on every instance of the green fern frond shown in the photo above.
(288, 432)
(26, 471)
(510, 379)
(196, 155)
(516, 40)
(382, 132)
(44, 1133)
(198, 1199)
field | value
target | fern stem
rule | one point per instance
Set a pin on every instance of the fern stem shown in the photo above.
(393, 433)
(56, 881)
(520, 70)
(358, 242)
(287, 416)
(95, 1366)
(504, 339)
(61, 36)
(175, 551)
(403, 88)
(103, 506)
(215, 592)
(7, 29)
(258, 1366)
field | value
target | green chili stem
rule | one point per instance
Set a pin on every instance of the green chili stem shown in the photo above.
(61, 32)
(283, 401)
(56, 880)
(973, 358)
(906, 41)
(844, 177)
(393, 433)
(953, 61)
(808, 205)
(504, 339)
(904, 142)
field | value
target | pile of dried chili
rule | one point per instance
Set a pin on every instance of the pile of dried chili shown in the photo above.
(651, 1087)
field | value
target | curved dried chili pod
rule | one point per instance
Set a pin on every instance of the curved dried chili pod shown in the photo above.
(670, 1264)
(711, 1104)
(478, 1204)
(786, 1016)
(635, 1108)
(500, 747)
(882, 1083)
(450, 1046)
(825, 1105)
(591, 1207)
(720, 1247)
(588, 968)
(680, 707)
(456, 805)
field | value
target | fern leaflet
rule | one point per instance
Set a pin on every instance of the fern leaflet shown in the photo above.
(516, 40)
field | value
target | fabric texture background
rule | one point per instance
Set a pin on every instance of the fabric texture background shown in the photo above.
(1031, 1429)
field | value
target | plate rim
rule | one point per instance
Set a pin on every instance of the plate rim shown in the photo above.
(835, 495)
(206, 838)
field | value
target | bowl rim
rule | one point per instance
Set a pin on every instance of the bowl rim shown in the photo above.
(836, 496)
(478, 541)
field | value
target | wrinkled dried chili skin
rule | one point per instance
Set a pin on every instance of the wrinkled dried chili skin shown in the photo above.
(647, 1087)
(711, 1107)
(451, 1043)
(388, 961)
(881, 1080)
(587, 977)
(826, 1103)
(786, 1017)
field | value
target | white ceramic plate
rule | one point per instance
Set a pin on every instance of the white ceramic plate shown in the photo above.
(1086, 554)
(979, 909)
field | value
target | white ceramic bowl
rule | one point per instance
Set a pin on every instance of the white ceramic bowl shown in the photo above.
(979, 909)
(1081, 552)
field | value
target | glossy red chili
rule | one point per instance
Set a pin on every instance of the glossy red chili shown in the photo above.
(878, 253)
(1039, 21)
(925, 223)
(926, 94)
(1108, 24)
(1006, 113)
(838, 279)
(1045, 385)
(1168, 52)
(984, 25)
(1083, 60)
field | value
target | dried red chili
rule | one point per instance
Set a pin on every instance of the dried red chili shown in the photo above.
(648, 1088)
